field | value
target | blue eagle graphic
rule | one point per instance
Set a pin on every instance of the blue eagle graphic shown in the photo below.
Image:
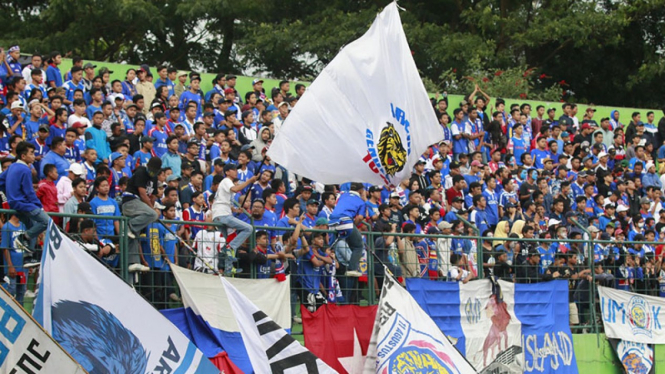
(97, 339)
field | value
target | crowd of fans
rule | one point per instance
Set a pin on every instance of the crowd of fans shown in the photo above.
(513, 174)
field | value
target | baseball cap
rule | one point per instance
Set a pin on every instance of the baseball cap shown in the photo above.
(172, 177)
(17, 105)
(534, 252)
(193, 141)
(147, 139)
(282, 103)
(230, 76)
(477, 163)
(44, 128)
(255, 81)
(395, 195)
(457, 199)
(89, 65)
(586, 126)
(321, 221)
(246, 147)
(79, 125)
(103, 70)
(114, 156)
(313, 201)
(553, 222)
(77, 169)
(181, 73)
(159, 115)
(155, 104)
(622, 208)
(593, 229)
(445, 225)
(602, 154)
(645, 200)
(374, 189)
(229, 90)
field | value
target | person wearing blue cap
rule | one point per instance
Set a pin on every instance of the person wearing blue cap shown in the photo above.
(117, 163)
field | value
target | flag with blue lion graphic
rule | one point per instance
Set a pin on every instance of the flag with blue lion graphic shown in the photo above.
(102, 322)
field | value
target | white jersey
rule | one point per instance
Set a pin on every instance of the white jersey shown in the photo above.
(207, 245)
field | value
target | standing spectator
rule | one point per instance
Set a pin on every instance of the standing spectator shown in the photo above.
(79, 192)
(145, 88)
(13, 258)
(56, 157)
(53, 74)
(350, 211)
(95, 137)
(47, 192)
(65, 187)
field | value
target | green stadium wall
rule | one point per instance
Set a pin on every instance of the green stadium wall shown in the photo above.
(596, 356)
(244, 84)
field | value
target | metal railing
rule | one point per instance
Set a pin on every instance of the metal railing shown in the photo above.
(159, 288)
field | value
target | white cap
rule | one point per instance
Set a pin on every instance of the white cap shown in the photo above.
(622, 208)
(642, 142)
(77, 169)
(17, 105)
(602, 154)
(553, 222)
(649, 165)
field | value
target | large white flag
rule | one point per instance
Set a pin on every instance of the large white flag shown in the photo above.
(366, 117)
(270, 348)
(25, 347)
(102, 322)
(406, 340)
(632, 317)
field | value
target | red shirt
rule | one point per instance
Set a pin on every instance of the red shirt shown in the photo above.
(48, 195)
(451, 193)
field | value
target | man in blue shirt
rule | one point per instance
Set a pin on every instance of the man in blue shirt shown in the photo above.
(540, 153)
(164, 80)
(53, 74)
(460, 134)
(348, 212)
(16, 181)
(76, 83)
(192, 95)
(56, 156)
(517, 144)
(492, 199)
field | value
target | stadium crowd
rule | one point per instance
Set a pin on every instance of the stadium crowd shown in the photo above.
(92, 145)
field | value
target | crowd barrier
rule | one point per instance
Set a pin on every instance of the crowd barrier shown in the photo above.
(159, 287)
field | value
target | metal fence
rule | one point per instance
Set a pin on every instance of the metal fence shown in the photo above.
(459, 258)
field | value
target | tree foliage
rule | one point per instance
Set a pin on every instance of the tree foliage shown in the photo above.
(605, 51)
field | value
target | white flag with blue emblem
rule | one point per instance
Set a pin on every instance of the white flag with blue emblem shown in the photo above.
(366, 117)
(406, 340)
(101, 321)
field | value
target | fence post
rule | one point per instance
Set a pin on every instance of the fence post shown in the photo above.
(371, 295)
(123, 245)
(479, 245)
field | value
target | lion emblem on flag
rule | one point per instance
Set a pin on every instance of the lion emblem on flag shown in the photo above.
(392, 153)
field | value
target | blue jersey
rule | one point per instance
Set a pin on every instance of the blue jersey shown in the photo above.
(142, 158)
(170, 243)
(108, 207)
(505, 197)
(460, 145)
(349, 205)
(309, 274)
(70, 87)
(519, 146)
(546, 258)
(191, 214)
(53, 75)
(9, 233)
(159, 145)
(492, 206)
(539, 156)
(186, 97)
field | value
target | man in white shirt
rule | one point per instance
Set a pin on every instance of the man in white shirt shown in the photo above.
(207, 244)
(222, 211)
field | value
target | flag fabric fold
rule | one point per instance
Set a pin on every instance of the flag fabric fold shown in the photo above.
(331, 331)
(406, 340)
(270, 348)
(25, 347)
(101, 321)
(207, 314)
(366, 117)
